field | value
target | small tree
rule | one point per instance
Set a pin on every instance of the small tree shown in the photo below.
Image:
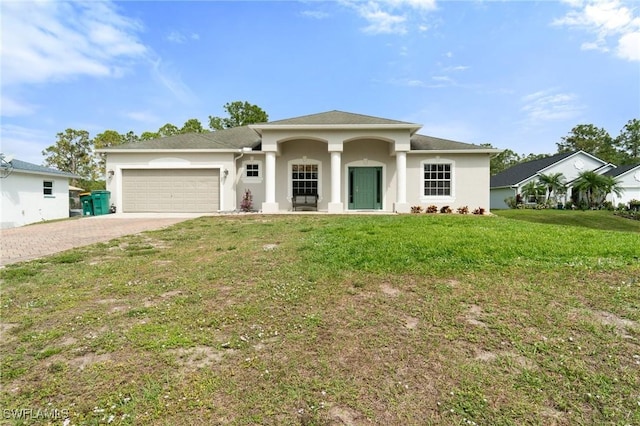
(594, 188)
(240, 114)
(554, 184)
(533, 190)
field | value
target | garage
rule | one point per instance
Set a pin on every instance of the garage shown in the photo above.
(170, 190)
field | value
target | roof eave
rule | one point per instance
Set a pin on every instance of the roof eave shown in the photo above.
(168, 150)
(413, 128)
(42, 173)
(455, 151)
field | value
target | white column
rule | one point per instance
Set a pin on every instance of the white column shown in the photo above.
(401, 205)
(335, 205)
(270, 205)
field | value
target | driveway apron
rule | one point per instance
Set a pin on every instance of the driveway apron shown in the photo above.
(43, 239)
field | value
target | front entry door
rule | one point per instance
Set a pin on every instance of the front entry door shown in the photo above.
(365, 188)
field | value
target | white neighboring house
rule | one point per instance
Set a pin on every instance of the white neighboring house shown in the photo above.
(629, 177)
(333, 161)
(32, 193)
(509, 183)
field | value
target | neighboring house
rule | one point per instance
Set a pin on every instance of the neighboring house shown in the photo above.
(32, 193)
(629, 177)
(509, 183)
(350, 162)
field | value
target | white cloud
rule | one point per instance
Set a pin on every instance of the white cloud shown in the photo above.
(24, 143)
(10, 107)
(171, 80)
(392, 16)
(180, 38)
(142, 116)
(315, 14)
(606, 21)
(49, 41)
(549, 105)
(381, 22)
(629, 46)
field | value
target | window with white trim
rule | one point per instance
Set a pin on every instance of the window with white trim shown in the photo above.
(252, 171)
(304, 178)
(437, 179)
(47, 187)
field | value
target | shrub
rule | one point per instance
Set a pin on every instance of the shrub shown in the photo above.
(416, 209)
(511, 202)
(246, 205)
(445, 209)
(479, 211)
(463, 210)
(431, 209)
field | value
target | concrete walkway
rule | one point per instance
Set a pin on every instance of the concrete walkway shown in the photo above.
(34, 241)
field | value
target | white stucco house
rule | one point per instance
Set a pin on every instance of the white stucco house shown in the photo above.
(340, 162)
(629, 177)
(32, 193)
(509, 183)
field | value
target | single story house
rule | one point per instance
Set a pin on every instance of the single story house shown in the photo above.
(333, 161)
(629, 177)
(32, 193)
(509, 182)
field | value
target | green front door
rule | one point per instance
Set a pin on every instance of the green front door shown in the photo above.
(365, 188)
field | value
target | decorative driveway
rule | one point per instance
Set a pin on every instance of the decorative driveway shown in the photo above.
(38, 240)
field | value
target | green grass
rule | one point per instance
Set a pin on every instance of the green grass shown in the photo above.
(416, 319)
(600, 219)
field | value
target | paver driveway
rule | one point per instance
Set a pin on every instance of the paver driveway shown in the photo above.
(38, 240)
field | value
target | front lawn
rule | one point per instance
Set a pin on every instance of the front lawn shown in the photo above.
(598, 219)
(315, 319)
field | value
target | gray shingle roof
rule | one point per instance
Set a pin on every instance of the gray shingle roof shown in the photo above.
(234, 138)
(522, 171)
(621, 170)
(240, 137)
(335, 117)
(422, 142)
(34, 168)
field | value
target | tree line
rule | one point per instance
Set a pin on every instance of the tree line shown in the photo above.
(621, 150)
(74, 150)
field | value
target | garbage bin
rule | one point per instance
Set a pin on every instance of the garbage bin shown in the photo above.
(87, 204)
(100, 202)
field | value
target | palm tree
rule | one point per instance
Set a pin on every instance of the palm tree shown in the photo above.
(595, 187)
(533, 189)
(553, 182)
(611, 184)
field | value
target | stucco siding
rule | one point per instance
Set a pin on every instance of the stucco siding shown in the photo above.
(302, 152)
(370, 153)
(23, 200)
(470, 175)
(222, 161)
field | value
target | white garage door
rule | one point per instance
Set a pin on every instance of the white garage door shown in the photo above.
(171, 190)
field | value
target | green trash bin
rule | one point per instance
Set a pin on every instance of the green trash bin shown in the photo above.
(87, 204)
(100, 202)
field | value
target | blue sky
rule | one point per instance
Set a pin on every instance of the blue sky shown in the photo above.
(518, 75)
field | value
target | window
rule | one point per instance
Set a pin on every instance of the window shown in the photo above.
(252, 170)
(437, 180)
(47, 187)
(304, 178)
